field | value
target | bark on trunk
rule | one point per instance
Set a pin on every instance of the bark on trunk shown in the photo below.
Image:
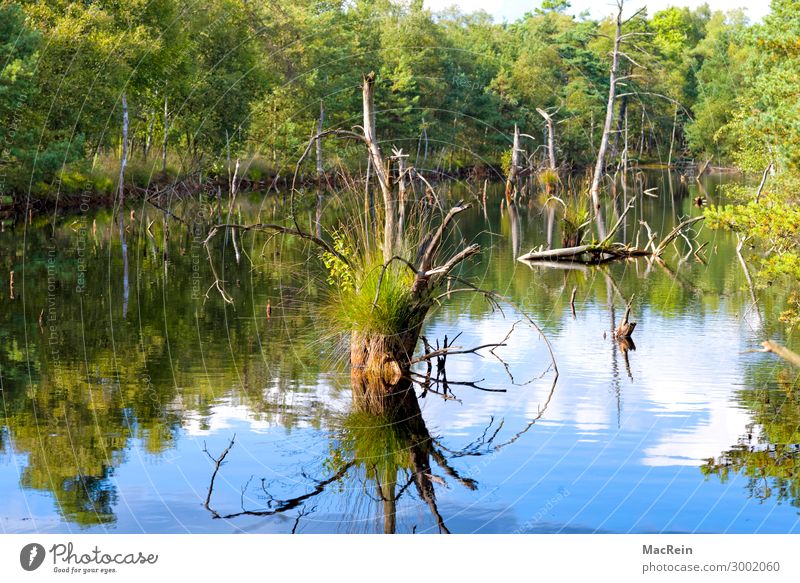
(379, 167)
(384, 358)
(401, 189)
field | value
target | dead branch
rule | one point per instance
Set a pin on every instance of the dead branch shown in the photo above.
(289, 503)
(674, 233)
(455, 260)
(595, 253)
(572, 301)
(786, 354)
(763, 181)
(429, 247)
(217, 281)
(618, 223)
(454, 350)
(590, 253)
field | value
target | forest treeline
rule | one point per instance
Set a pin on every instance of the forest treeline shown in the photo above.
(249, 78)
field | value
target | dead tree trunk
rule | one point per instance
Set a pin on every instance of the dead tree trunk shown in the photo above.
(320, 167)
(320, 171)
(379, 167)
(551, 138)
(166, 134)
(149, 139)
(401, 190)
(121, 197)
(513, 171)
(124, 157)
(600, 165)
(388, 356)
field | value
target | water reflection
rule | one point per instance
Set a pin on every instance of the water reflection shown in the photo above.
(768, 454)
(106, 404)
(384, 440)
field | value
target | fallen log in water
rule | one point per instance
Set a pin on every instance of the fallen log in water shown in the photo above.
(593, 253)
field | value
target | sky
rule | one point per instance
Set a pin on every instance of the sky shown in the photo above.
(512, 9)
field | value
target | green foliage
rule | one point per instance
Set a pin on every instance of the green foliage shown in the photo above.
(248, 77)
(340, 274)
(773, 226)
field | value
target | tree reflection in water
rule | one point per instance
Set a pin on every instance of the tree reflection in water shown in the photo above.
(384, 439)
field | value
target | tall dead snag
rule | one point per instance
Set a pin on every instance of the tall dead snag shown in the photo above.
(320, 123)
(551, 137)
(600, 164)
(121, 197)
(124, 156)
(513, 171)
(613, 79)
(379, 166)
(320, 171)
(166, 136)
(401, 191)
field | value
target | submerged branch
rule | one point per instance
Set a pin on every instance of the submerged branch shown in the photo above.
(786, 354)
(454, 350)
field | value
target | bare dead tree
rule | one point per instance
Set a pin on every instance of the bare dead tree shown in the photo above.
(166, 136)
(379, 166)
(763, 181)
(513, 171)
(320, 166)
(613, 79)
(551, 137)
(124, 156)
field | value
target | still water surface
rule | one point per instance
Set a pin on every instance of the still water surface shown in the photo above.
(112, 390)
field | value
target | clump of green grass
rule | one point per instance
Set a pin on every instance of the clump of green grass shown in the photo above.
(548, 178)
(369, 299)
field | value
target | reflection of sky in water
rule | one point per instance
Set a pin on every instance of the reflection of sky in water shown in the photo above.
(626, 453)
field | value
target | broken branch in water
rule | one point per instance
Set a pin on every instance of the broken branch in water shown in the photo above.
(625, 328)
(454, 350)
(617, 224)
(786, 354)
